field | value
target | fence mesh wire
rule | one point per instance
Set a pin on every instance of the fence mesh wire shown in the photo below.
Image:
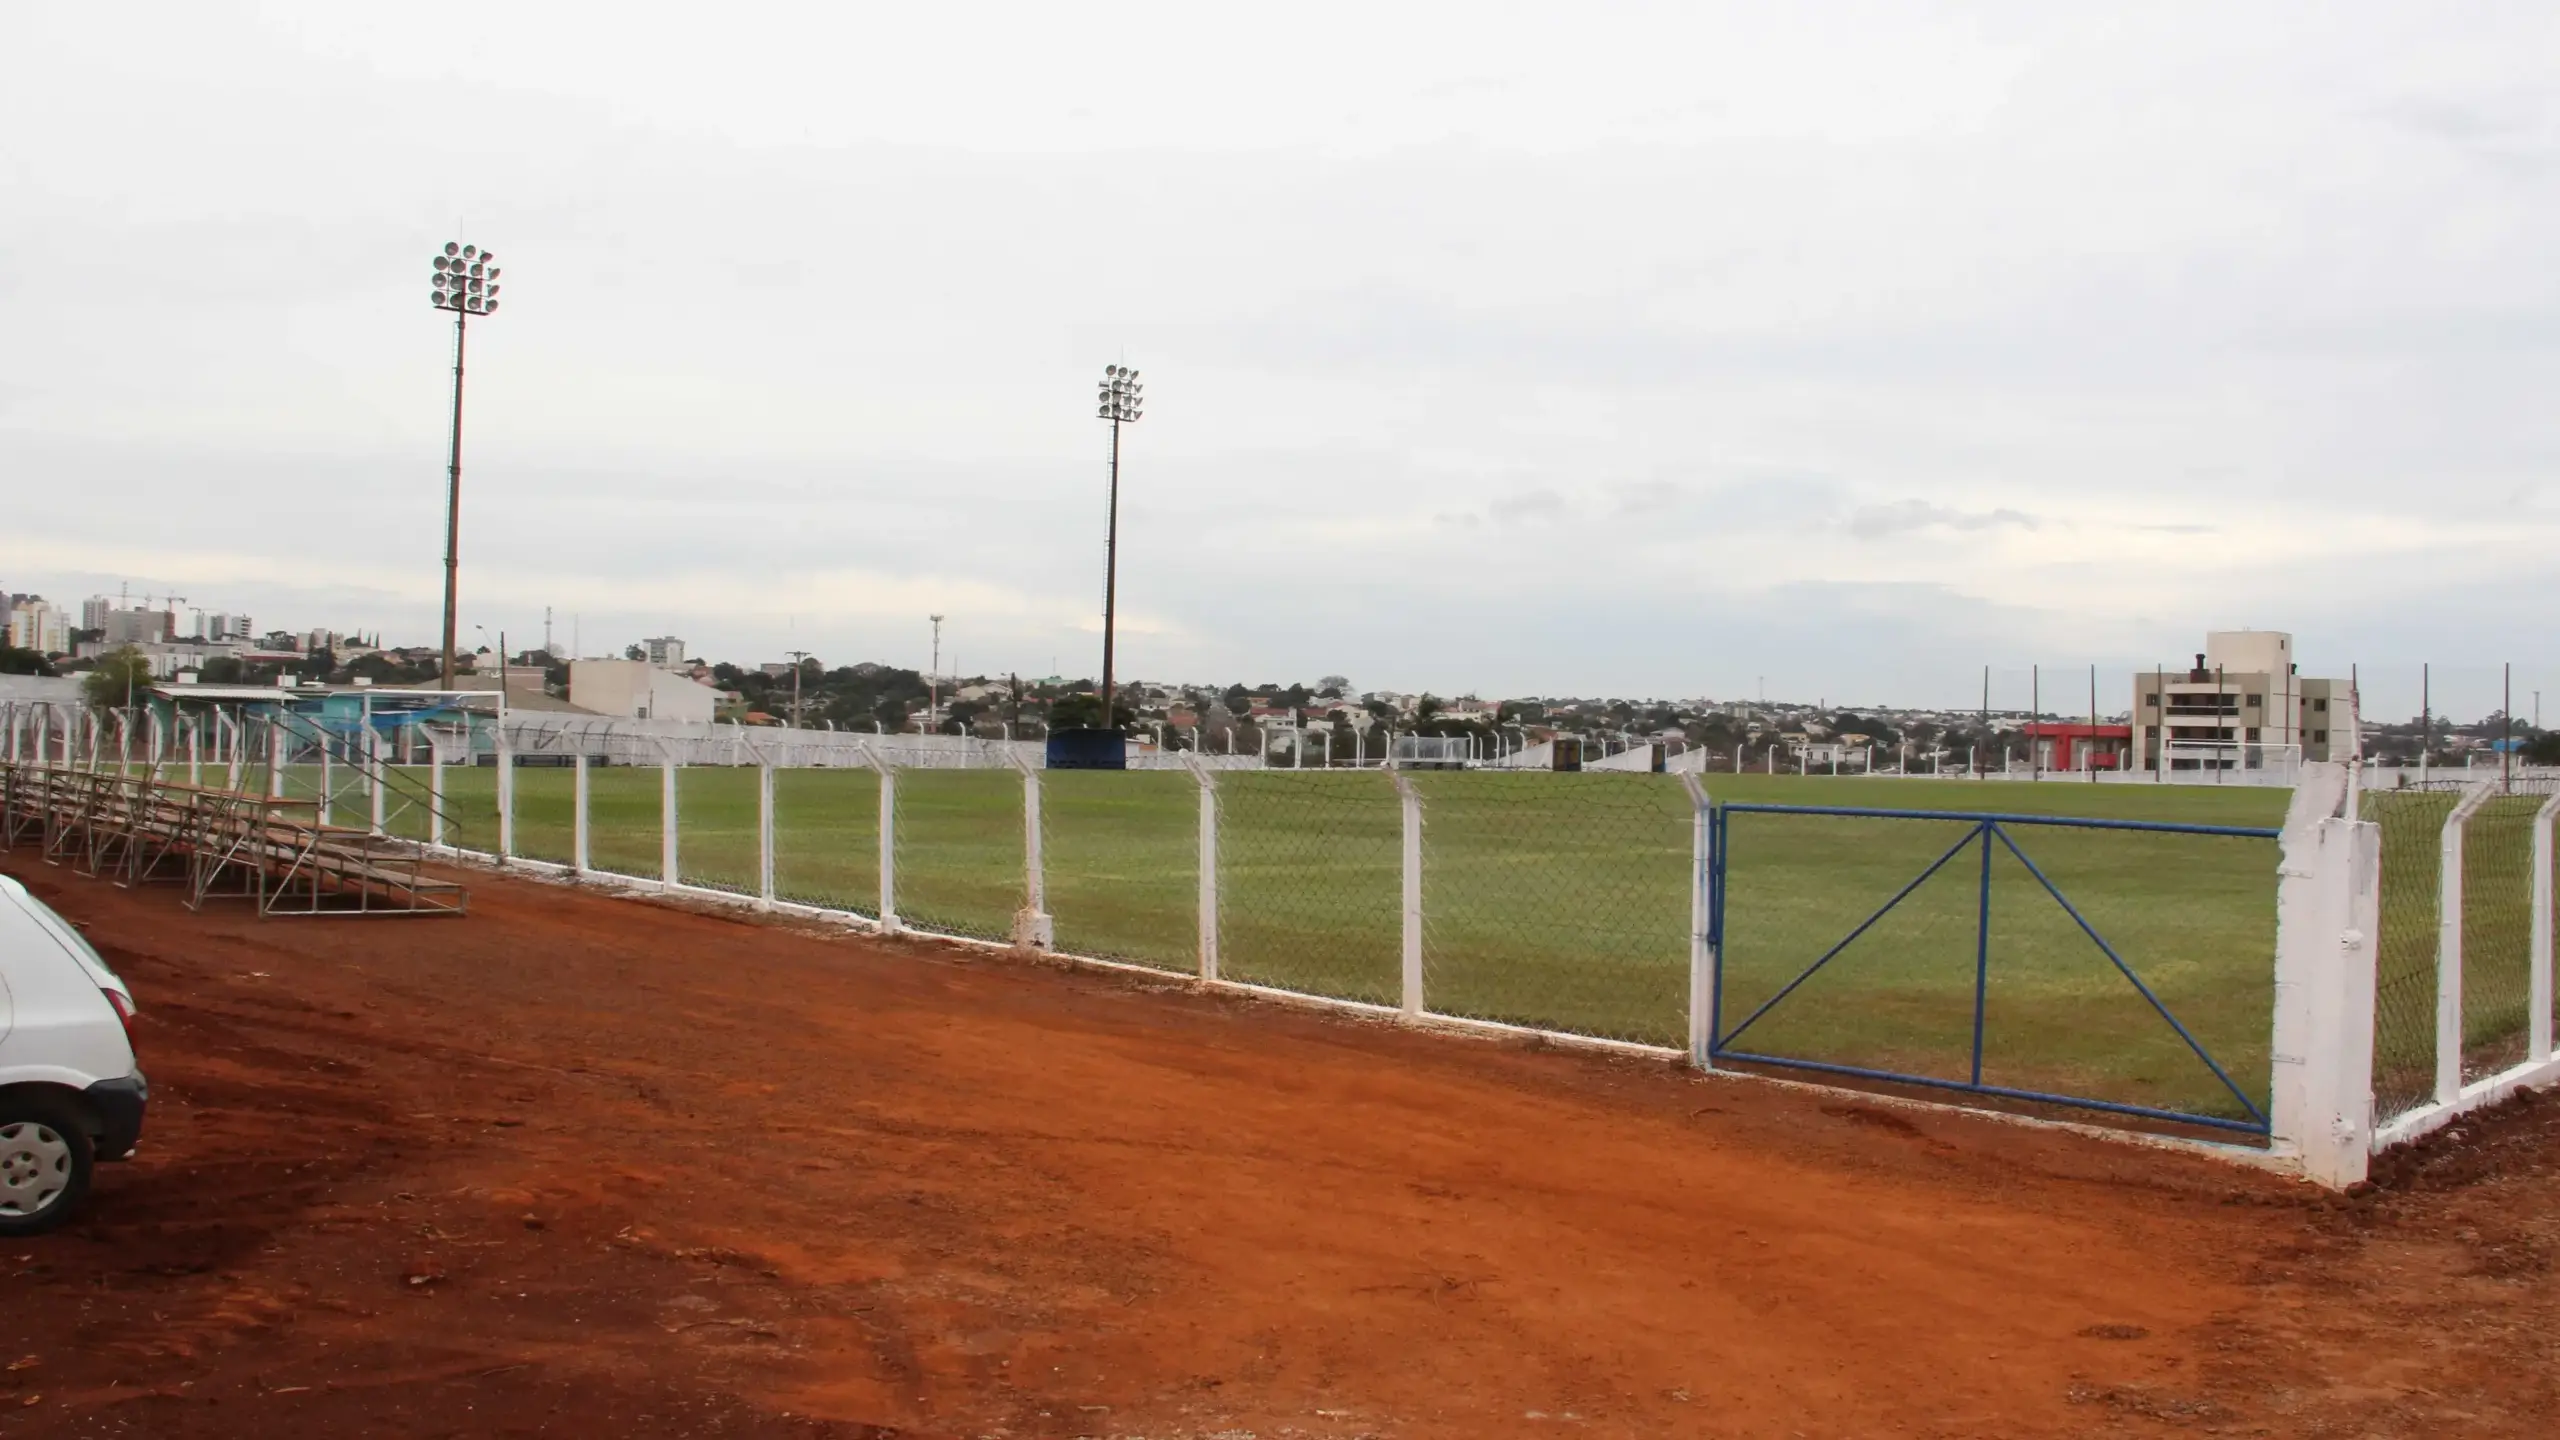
(1310, 882)
(623, 820)
(2411, 821)
(1558, 901)
(1121, 853)
(2497, 934)
(546, 799)
(960, 851)
(2192, 917)
(826, 838)
(470, 807)
(1899, 996)
(716, 822)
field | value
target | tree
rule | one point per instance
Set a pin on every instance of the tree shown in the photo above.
(1081, 712)
(2543, 749)
(122, 674)
(14, 661)
(224, 670)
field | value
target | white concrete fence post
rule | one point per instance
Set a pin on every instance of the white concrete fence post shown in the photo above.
(435, 793)
(2449, 942)
(506, 796)
(1412, 804)
(888, 842)
(373, 771)
(764, 834)
(1703, 976)
(1208, 869)
(668, 875)
(2542, 929)
(578, 784)
(1032, 926)
(2328, 918)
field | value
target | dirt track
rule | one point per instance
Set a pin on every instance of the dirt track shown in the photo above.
(584, 1166)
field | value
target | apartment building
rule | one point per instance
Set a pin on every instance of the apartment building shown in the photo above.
(35, 625)
(2243, 704)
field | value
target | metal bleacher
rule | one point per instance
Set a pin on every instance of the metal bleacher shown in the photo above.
(135, 828)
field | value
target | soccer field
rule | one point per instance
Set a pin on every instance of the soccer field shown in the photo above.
(1557, 901)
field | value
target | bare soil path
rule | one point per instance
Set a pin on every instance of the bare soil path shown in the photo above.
(578, 1165)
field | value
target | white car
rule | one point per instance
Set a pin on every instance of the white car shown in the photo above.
(70, 1092)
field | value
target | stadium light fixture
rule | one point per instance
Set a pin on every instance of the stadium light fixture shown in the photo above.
(1121, 401)
(466, 283)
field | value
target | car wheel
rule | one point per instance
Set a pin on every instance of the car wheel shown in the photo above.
(45, 1161)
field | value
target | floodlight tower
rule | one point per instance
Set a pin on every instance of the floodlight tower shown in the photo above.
(1121, 401)
(466, 283)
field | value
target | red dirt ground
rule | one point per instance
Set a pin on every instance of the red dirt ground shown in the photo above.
(584, 1166)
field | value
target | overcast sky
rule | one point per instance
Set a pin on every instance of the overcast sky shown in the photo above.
(1543, 349)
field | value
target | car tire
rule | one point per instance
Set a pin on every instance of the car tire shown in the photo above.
(46, 1159)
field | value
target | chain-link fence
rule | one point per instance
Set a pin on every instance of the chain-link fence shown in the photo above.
(960, 851)
(2497, 933)
(1310, 882)
(2455, 982)
(1558, 901)
(1894, 987)
(2126, 963)
(2411, 819)
(718, 819)
(1121, 853)
(826, 838)
(626, 820)
(546, 806)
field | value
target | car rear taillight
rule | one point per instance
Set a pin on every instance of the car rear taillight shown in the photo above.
(124, 1011)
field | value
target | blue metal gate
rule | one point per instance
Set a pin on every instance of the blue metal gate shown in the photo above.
(1988, 834)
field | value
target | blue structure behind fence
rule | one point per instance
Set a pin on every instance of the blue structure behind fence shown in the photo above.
(1982, 838)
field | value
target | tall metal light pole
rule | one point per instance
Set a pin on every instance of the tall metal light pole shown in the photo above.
(466, 283)
(1121, 402)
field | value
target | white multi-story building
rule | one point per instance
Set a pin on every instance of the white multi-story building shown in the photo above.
(94, 612)
(2244, 704)
(220, 626)
(665, 650)
(35, 625)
